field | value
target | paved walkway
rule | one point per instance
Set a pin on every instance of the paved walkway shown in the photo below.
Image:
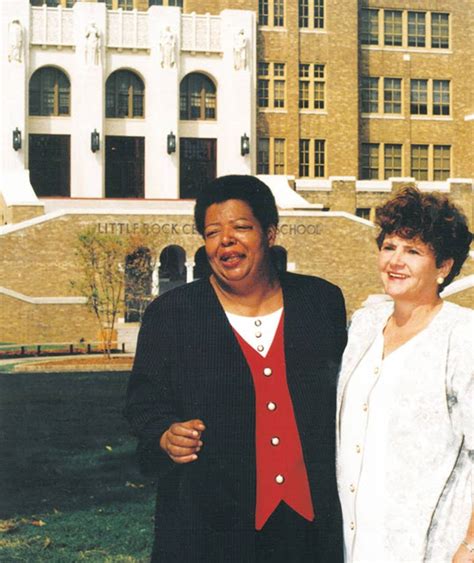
(83, 362)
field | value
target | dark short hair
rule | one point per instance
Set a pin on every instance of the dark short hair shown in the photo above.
(431, 217)
(238, 186)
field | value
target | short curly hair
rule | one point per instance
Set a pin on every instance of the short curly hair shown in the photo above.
(432, 218)
(238, 186)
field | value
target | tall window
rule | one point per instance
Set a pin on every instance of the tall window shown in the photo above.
(312, 158)
(271, 85)
(271, 13)
(369, 34)
(49, 159)
(197, 97)
(319, 158)
(419, 97)
(50, 92)
(430, 97)
(271, 155)
(439, 31)
(304, 158)
(419, 162)
(311, 14)
(124, 95)
(393, 29)
(441, 97)
(312, 86)
(370, 94)
(441, 162)
(416, 29)
(392, 95)
(392, 161)
(370, 161)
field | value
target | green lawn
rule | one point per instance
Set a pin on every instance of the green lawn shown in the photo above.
(69, 486)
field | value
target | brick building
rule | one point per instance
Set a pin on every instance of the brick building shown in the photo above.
(115, 113)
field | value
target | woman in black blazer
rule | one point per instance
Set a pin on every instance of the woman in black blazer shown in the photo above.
(195, 397)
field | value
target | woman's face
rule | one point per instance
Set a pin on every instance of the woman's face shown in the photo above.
(408, 269)
(236, 245)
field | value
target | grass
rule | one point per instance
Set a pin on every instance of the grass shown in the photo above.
(70, 489)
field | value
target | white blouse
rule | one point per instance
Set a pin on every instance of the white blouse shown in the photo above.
(258, 332)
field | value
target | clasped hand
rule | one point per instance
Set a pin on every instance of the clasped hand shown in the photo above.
(182, 441)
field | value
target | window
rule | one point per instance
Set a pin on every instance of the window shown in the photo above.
(441, 162)
(392, 95)
(370, 27)
(124, 95)
(370, 94)
(392, 161)
(430, 97)
(49, 159)
(419, 162)
(312, 158)
(178, 3)
(124, 167)
(312, 86)
(49, 92)
(271, 156)
(363, 212)
(393, 29)
(416, 29)
(439, 31)
(419, 97)
(311, 14)
(197, 97)
(370, 161)
(271, 85)
(271, 13)
(197, 165)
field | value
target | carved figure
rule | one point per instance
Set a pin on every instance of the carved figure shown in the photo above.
(167, 48)
(15, 41)
(92, 44)
(240, 51)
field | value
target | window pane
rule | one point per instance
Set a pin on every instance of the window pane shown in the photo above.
(441, 162)
(392, 93)
(393, 28)
(370, 161)
(263, 12)
(278, 13)
(439, 31)
(392, 161)
(279, 69)
(279, 156)
(262, 93)
(318, 19)
(197, 97)
(304, 158)
(416, 29)
(370, 27)
(49, 92)
(441, 97)
(263, 156)
(370, 94)
(304, 94)
(303, 13)
(319, 95)
(279, 94)
(319, 158)
(419, 162)
(419, 97)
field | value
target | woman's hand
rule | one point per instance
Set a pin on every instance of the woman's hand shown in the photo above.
(463, 555)
(182, 440)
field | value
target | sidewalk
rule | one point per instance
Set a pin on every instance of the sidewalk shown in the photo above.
(82, 363)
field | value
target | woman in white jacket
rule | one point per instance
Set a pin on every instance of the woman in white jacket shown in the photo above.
(405, 396)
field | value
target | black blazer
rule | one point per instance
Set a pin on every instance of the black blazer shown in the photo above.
(189, 365)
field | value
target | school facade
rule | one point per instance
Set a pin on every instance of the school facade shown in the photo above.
(116, 113)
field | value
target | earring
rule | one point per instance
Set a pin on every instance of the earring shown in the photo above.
(440, 280)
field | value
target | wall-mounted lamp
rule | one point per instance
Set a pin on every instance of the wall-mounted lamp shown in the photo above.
(171, 142)
(244, 145)
(95, 141)
(16, 139)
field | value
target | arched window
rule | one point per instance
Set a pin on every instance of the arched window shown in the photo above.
(172, 271)
(50, 92)
(138, 283)
(124, 95)
(197, 97)
(280, 258)
(201, 264)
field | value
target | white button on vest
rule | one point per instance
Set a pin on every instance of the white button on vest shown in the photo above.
(275, 441)
(260, 348)
(258, 334)
(279, 479)
(267, 372)
(352, 488)
(258, 322)
(271, 406)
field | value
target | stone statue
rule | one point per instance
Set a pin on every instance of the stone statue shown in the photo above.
(15, 41)
(240, 50)
(92, 44)
(167, 48)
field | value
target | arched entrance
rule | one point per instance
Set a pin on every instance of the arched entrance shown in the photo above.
(172, 270)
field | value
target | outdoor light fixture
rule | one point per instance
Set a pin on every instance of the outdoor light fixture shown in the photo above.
(171, 142)
(16, 139)
(244, 145)
(95, 141)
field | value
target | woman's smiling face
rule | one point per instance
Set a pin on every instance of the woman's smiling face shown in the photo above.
(236, 245)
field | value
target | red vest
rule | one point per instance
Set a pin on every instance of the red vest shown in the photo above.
(281, 471)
